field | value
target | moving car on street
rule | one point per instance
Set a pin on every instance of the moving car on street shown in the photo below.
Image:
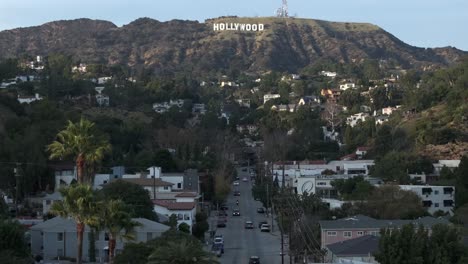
(249, 225)
(236, 193)
(235, 212)
(236, 183)
(254, 260)
(221, 223)
(261, 210)
(265, 228)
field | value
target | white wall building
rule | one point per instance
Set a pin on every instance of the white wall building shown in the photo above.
(185, 211)
(450, 164)
(268, 97)
(29, 99)
(434, 198)
(354, 119)
(347, 86)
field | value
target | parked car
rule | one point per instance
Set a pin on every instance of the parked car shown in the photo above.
(236, 183)
(244, 169)
(265, 228)
(236, 193)
(218, 239)
(224, 207)
(222, 213)
(236, 212)
(244, 179)
(261, 210)
(249, 225)
(254, 260)
(261, 223)
(221, 223)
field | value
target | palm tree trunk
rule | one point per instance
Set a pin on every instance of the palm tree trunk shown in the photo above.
(79, 232)
(80, 167)
(112, 243)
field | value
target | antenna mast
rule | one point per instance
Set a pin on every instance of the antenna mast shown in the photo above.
(283, 10)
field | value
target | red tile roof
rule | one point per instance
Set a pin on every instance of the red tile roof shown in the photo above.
(363, 148)
(171, 205)
(186, 194)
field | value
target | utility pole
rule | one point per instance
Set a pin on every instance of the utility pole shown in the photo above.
(17, 176)
(272, 225)
(282, 238)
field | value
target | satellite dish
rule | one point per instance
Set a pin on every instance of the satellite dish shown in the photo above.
(307, 187)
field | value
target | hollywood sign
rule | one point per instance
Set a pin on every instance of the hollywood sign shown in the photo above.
(238, 27)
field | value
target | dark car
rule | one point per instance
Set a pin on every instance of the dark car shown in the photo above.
(222, 213)
(261, 223)
(236, 212)
(261, 210)
(237, 193)
(254, 260)
(249, 225)
(224, 207)
(221, 223)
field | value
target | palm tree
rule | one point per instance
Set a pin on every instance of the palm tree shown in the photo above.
(81, 141)
(115, 218)
(79, 203)
(186, 251)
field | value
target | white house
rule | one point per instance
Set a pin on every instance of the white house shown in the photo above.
(48, 200)
(328, 74)
(161, 107)
(243, 102)
(379, 120)
(354, 119)
(102, 99)
(347, 86)
(361, 152)
(64, 175)
(450, 164)
(322, 184)
(103, 80)
(268, 97)
(29, 99)
(185, 211)
(176, 179)
(229, 83)
(434, 198)
(199, 109)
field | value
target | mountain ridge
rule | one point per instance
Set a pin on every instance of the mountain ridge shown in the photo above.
(284, 45)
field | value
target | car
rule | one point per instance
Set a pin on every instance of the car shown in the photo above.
(252, 174)
(249, 225)
(244, 179)
(265, 228)
(262, 223)
(224, 207)
(218, 239)
(261, 210)
(236, 183)
(237, 178)
(254, 260)
(244, 169)
(235, 212)
(236, 193)
(221, 223)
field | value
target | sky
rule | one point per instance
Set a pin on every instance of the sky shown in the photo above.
(422, 23)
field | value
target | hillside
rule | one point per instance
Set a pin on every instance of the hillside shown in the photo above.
(284, 45)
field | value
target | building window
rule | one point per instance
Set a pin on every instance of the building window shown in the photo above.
(186, 217)
(96, 253)
(448, 190)
(47, 202)
(106, 236)
(436, 204)
(448, 203)
(347, 234)
(427, 203)
(179, 185)
(360, 233)
(59, 236)
(374, 233)
(166, 188)
(180, 217)
(426, 191)
(331, 233)
(149, 236)
(436, 192)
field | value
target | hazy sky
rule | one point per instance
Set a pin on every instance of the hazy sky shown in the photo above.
(423, 23)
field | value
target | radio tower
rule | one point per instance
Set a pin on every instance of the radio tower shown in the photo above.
(283, 10)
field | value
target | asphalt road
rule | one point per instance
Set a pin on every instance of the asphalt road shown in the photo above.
(241, 243)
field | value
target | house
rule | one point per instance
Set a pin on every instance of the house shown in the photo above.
(102, 100)
(309, 100)
(243, 102)
(79, 68)
(199, 109)
(328, 74)
(229, 83)
(251, 129)
(48, 200)
(57, 238)
(103, 80)
(295, 76)
(268, 97)
(334, 231)
(347, 86)
(24, 78)
(385, 111)
(29, 99)
(434, 198)
(361, 152)
(152, 185)
(185, 211)
(449, 164)
(177, 102)
(161, 107)
(353, 120)
(379, 120)
(332, 95)
(65, 174)
(7, 83)
(321, 185)
(357, 250)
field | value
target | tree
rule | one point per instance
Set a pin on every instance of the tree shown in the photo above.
(134, 253)
(172, 223)
(414, 245)
(183, 227)
(185, 251)
(391, 202)
(383, 140)
(114, 218)
(134, 196)
(392, 167)
(81, 141)
(331, 115)
(201, 226)
(164, 159)
(79, 203)
(13, 247)
(353, 188)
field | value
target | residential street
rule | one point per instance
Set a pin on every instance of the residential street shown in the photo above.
(241, 243)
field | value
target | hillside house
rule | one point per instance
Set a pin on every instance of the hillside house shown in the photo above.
(29, 99)
(434, 198)
(346, 86)
(353, 120)
(268, 97)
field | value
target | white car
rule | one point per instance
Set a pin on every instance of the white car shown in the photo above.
(236, 183)
(244, 179)
(265, 228)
